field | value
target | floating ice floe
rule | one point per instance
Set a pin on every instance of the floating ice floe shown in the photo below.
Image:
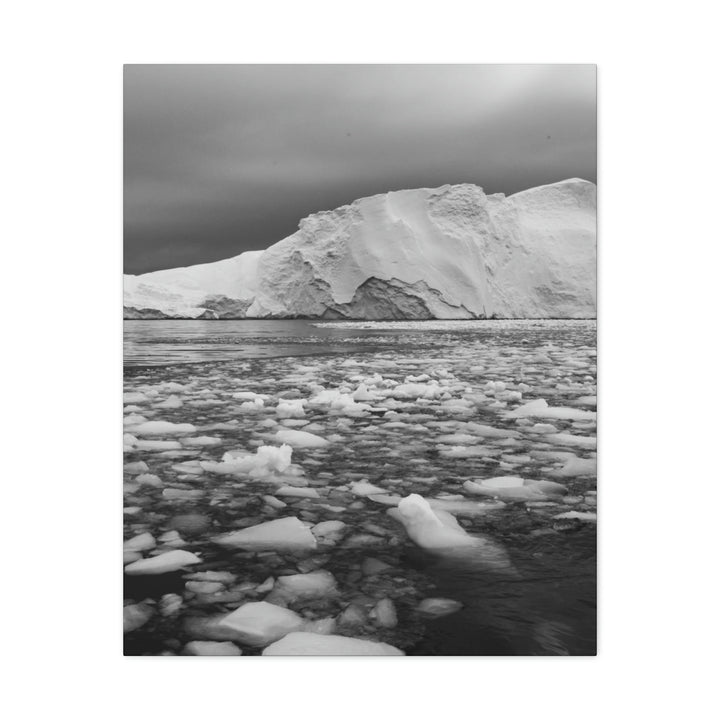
(140, 543)
(300, 439)
(260, 623)
(576, 515)
(266, 460)
(252, 406)
(413, 391)
(540, 408)
(251, 396)
(363, 488)
(438, 607)
(514, 488)
(329, 531)
(340, 403)
(290, 409)
(362, 394)
(463, 451)
(136, 468)
(302, 492)
(464, 507)
(135, 616)
(162, 427)
(304, 643)
(384, 613)
(274, 502)
(429, 529)
(203, 587)
(576, 467)
(284, 534)
(211, 647)
(172, 403)
(164, 563)
(582, 441)
(157, 445)
(303, 586)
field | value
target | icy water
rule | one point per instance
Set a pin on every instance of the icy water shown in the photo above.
(431, 408)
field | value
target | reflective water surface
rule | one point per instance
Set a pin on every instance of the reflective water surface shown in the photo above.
(445, 414)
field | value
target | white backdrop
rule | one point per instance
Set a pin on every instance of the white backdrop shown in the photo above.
(62, 233)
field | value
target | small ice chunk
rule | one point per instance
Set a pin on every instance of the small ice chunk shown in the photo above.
(267, 459)
(134, 398)
(149, 479)
(582, 441)
(284, 534)
(162, 427)
(252, 396)
(136, 468)
(164, 563)
(576, 515)
(363, 488)
(384, 613)
(428, 529)
(329, 530)
(140, 543)
(540, 408)
(438, 607)
(503, 482)
(514, 488)
(204, 587)
(135, 616)
(576, 467)
(290, 409)
(303, 586)
(172, 403)
(543, 428)
(392, 500)
(210, 647)
(273, 502)
(305, 643)
(260, 623)
(300, 439)
(157, 445)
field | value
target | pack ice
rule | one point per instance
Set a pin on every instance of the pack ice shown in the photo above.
(449, 252)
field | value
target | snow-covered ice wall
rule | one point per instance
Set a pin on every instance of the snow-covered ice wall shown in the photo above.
(450, 252)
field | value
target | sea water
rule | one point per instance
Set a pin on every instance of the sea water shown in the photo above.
(424, 430)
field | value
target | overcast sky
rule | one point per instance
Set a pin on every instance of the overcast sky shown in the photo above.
(220, 159)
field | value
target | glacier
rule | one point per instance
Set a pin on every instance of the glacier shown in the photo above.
(447, 253)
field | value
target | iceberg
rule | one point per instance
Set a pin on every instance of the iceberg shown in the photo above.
(449, 253)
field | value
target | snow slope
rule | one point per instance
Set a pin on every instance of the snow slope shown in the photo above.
(450, 252)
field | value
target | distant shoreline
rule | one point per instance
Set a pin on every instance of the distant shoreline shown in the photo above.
(349, 320)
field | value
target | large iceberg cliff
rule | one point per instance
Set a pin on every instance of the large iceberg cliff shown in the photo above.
(450, 252)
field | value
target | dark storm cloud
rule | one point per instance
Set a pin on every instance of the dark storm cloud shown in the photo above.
(223, 159)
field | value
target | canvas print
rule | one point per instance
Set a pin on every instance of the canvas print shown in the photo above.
(359, 408)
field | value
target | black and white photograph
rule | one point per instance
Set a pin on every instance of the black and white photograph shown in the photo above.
(360, 360)
(378, 341)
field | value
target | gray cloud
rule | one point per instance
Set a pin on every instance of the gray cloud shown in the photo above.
(220, 159)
